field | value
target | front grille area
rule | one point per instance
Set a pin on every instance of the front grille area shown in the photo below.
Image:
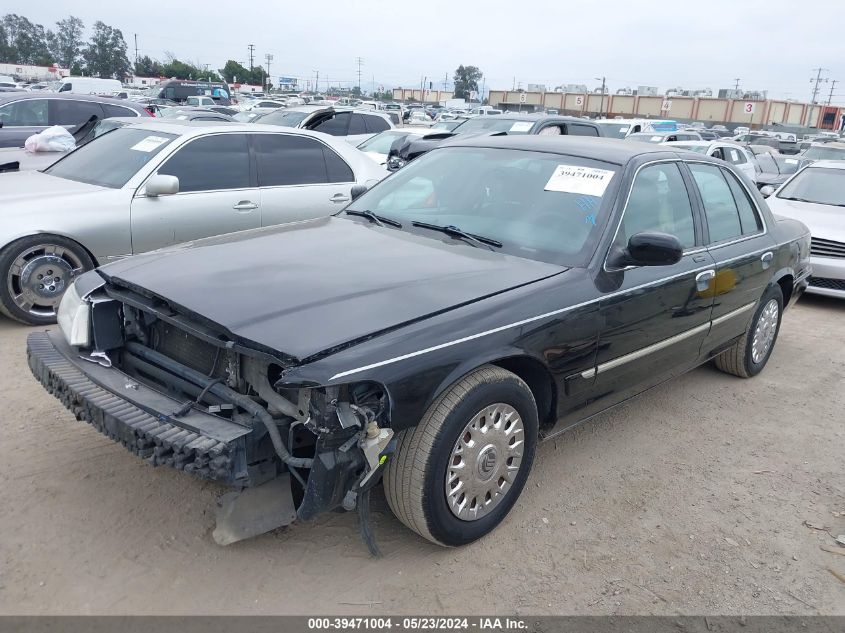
(826, 248)
(188, 350)
(829, 284)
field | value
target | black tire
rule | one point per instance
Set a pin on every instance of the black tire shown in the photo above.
(415, 480)
(738, 359)
(69, 256)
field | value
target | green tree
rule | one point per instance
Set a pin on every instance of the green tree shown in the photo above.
(105, 55)
(65, 43)
(146, 66)
(233, 70)
(26, 42)
(466, 79)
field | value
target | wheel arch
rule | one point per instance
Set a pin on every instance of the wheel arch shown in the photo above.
(785, 278)
(529, 369)
(61, 234)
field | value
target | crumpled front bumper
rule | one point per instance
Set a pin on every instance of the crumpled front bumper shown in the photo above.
(139, 417)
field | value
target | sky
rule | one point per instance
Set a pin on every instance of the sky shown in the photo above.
(769, 45)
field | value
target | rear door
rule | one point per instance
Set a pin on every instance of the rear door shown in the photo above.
(21, 119)
(217, 194)
(740, 245)
(337, 125)
(299, 178)
(71, 113)
(655, 320)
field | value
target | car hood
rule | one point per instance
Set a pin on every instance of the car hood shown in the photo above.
(824, 221)
(26, 186)
(324, 284)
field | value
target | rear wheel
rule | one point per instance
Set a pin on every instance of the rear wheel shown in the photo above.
(36, 271)
(458, 473)
(748, 356)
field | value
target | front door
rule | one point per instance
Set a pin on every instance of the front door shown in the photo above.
(216, 195)
(655, 319)
(742, 249)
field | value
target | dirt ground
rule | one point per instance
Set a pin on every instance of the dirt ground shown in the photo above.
(697, 498)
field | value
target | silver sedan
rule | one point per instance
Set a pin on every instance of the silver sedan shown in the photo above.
(147, 186)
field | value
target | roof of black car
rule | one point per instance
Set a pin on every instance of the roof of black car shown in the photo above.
(15, 96)
(610, 150)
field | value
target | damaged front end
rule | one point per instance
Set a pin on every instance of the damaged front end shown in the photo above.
(181, 392)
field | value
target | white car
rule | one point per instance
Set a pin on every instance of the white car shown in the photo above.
(815, 195)
(150, 185)
(419, 117)
(356, 126)
(736, 155)
(378, 147)
(200, 102)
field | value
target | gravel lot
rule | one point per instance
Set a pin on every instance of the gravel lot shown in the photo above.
(696, 498)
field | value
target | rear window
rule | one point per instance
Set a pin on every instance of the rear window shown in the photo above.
(113, 158)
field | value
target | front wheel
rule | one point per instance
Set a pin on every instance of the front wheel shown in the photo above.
(36, 271)
(458, 473)
(748, 356)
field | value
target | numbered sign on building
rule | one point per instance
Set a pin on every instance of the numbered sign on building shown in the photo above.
(750, 107)
(522, 97)
(579, 101)
(666, 105)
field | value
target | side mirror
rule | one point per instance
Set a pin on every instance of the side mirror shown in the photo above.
(161, 185)
(648, 249)
(357, 190)
(767, 190)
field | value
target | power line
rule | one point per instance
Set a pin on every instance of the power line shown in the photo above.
(251, 48)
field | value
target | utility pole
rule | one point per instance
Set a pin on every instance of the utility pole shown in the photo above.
(360, 61)
(269, 58)
(736, 87)
(832, 86)
(251, 48)
(601, 101)
(445, 81)
(817, 81)
(135, 68)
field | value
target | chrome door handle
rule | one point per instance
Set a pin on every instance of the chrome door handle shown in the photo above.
(767, 258)
(339, 197)
(702, 280)
(245, 205)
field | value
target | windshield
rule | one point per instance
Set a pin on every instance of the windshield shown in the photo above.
(821, 185)
(821, 152)
(646, 137)
(701, 149)
(495, 124)
(615, 130)
(381, 143)
(113, 158)
(539, 206)
(286, 118)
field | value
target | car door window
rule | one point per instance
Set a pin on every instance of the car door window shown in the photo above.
(211, 163)
(719, 205)
(285, 159)
(581, 130)
(748, 217)
(659, 201)
(336, 126)
(357, 125)
(735, 156)
(336, 168)
(112, 110)
(26, 112)
(375, 124)
(70, 112)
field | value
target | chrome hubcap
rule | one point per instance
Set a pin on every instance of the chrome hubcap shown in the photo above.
(764, 333)
(484, 461)
(39, 277)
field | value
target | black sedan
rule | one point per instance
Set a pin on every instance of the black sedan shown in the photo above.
(493, 293)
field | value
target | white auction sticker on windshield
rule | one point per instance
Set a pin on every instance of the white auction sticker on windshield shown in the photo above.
(521, 126)
(587, 181)
(791, 161)
(149, 144)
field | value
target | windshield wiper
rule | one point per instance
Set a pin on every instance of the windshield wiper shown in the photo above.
(453, 231)
(376, 219)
